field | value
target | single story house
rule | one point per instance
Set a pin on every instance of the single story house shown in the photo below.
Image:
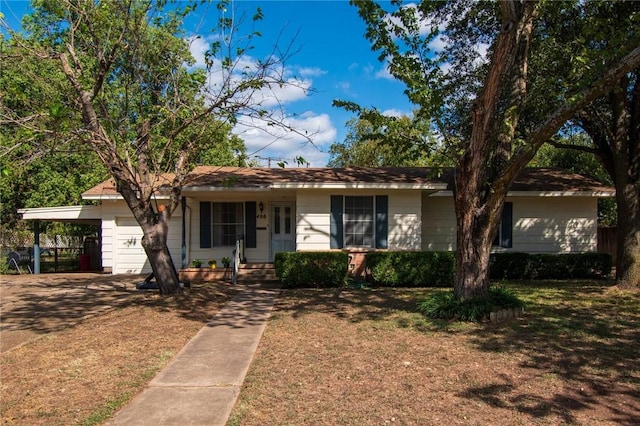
(355, 209)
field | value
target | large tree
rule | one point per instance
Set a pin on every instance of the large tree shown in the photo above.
(376, 140)
(613, 125)
(498, 108)
(132, 94)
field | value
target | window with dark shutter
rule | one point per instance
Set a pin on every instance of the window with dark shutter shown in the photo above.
(205, 224)
(250, 210)
(337, 240)
(382, 221)
(359, 221)
(504, 238)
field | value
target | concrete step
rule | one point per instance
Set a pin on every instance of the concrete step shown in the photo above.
(251, 272)
(247, 272)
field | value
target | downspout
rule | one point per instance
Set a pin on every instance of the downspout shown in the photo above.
(183, 203)
(36, 246)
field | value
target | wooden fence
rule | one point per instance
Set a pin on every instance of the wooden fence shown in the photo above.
(607, 240)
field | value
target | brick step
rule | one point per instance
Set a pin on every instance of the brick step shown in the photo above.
(250, 272)
(247, 272)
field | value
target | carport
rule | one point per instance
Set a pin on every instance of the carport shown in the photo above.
(84, 215)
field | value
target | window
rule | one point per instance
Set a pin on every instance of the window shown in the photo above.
(504, 237)
(282, 220)
(359, 221)
(221, 224)
(228, 223)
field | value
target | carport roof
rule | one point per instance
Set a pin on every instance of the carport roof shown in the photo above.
(89, 215)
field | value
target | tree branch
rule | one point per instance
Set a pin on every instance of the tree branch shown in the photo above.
(575, 103)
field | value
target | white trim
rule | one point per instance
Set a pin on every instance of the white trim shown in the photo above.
(560, 194)
(222, 189)
(116, 197)
(103, 197)
(602, 194)
(62, 213)
(357, 185)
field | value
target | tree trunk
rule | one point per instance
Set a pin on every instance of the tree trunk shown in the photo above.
(472, 256)
(628, 231)
(477, 218)
(154, 242)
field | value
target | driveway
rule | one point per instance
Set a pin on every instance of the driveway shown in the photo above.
(34, 305)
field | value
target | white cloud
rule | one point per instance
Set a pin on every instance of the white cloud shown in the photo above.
(393, 112)
(483, 51)
(425, 26)
(311, 72)
(384, 73)
(275, 94)
(198, 47)
(313, 132)
(438, 44)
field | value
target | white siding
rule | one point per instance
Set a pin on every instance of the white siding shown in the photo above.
(416, 222)
(259, 254)
(313, 219)
(405, 220)
(540, 224)
(122, 251)
(555, 224)
(438, 224)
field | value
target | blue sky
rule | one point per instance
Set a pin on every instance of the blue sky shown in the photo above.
(332, 57)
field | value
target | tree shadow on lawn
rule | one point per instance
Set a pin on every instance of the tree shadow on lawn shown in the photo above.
(587, 335)
(579, 342)
(43, 306)
(352, 305)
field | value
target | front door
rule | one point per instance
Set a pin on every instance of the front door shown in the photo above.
(283, 236)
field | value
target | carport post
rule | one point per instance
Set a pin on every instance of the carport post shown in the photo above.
(183, 247)
(36, 246)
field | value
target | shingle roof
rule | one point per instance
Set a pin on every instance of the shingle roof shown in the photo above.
(260, 177)
(541, 180)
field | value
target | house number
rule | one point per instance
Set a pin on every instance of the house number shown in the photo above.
(261, 216)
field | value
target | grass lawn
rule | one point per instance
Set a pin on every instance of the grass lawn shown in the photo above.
(80, 371)
(364, 357)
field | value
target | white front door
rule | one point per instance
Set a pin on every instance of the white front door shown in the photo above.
(283, 236)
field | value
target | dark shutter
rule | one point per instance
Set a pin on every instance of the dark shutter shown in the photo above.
(507, 226)
(382, 221)
(337, 237)
(205, 224)
(250, 212)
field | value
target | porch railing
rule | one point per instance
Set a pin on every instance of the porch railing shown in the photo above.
(236, 262)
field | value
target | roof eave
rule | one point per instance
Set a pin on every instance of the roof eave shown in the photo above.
(358, 185)
(115, 197)
(206, 188)
(593, 194)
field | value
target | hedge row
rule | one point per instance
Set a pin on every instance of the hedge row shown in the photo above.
(549, 266)
(412, 269)
(312, 269)
(432, 269)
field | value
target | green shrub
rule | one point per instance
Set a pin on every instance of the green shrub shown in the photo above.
(312, 269)
(508, 265)
(411, 269)
(549, 266)
(445, 305)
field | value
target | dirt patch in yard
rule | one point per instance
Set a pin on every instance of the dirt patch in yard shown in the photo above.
(365, 357)
(75, 348)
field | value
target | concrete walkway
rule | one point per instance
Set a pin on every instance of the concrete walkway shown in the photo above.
(201, 384)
